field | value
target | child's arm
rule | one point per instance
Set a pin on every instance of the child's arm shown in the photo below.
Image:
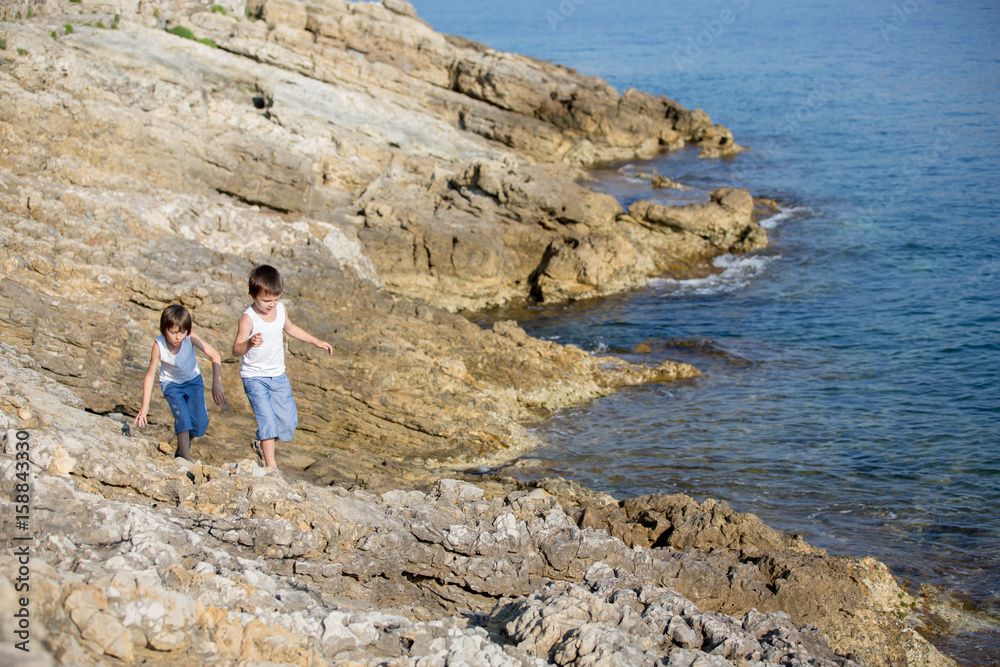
(244, 341)
(147, 385)
(298, 334)
(217, 393)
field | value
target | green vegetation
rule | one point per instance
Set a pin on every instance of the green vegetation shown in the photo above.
(218, 9)
(54, 34)
(901, 613)
(100, 24)
(181, 31)
(186, 33)
(29, 14)
(69, 28)
(3, 43)
(22, 52)
(76, 1)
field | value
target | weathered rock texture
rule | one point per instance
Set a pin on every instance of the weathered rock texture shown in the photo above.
(446, 165)
(393, 175)
(356, 149)
(137, 558)
(86, 274)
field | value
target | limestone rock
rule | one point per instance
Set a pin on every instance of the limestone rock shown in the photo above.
(393, 174)
(137, 560)
(726, 222)
(330, 115)
(664, 182)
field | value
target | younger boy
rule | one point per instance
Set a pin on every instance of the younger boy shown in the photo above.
(180, 377)
(260, 343)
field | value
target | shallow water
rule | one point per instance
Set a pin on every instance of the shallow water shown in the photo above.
(851, 388)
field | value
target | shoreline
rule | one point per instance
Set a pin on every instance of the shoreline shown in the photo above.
(326, 139)
(402, 561)
(958, 622)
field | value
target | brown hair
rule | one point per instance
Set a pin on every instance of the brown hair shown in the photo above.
(175, 315)
(265, 279)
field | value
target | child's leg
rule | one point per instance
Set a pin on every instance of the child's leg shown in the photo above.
(199, 411)
(285, 413)
(176, 395)
(268, 447)
(195, 399)
(259, 393)
(184, 445)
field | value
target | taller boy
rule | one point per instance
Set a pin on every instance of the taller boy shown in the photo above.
(260, 343)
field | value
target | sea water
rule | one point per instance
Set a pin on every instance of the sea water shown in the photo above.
(851, 386)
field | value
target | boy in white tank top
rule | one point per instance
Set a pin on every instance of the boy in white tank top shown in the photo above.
(260, 344)
(180, 377)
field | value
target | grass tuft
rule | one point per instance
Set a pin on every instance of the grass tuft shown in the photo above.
(186, 33)
(181, 31)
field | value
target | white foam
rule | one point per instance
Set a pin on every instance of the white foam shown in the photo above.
(737, 272)
(783, 215)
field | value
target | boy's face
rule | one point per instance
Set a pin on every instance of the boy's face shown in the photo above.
(175, 336)
(264, 303)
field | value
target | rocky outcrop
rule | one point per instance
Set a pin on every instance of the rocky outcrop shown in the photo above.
(652, 239)
(557, 241)
(394, 175)
(449, 164)
(139, 168)
(130, 555)
(87, 272)
(726, 222)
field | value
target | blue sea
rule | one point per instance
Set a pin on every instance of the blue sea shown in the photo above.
(851, 386)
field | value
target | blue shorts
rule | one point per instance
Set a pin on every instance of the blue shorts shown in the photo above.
(273, 406)
(187, 402)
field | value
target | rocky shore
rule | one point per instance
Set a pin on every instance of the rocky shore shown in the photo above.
(136, 557)
(153, 152)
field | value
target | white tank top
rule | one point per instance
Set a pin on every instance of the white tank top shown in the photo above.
(268, 360)
(180, 367)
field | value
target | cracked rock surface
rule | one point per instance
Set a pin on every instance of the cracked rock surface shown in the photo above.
(395, 176)
(143, 558)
